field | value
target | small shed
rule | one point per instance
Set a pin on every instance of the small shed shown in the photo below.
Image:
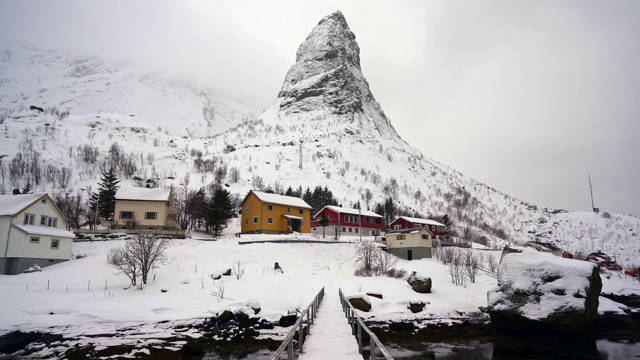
(410, 244)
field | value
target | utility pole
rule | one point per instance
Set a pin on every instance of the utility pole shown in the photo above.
(360, 223)
(300, 165)
(593, 207)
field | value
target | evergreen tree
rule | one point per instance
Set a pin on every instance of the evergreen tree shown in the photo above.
(289, 191)
(219, 211)
(105, 199)
(307, 196)
(389, 211)
(26, 189)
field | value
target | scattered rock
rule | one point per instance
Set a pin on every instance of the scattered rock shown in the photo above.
(416, 306)
(419, 283)
(33, 107)
(360, 302)
(288, 320)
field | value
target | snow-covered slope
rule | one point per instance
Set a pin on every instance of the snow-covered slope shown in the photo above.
(326, 112)
(83, 86)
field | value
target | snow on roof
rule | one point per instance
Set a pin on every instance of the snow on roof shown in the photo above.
(406, 231)
(44, 230)
(343, 210)
(140, 193)
(421, 221)
(13, 204)
(281, 199)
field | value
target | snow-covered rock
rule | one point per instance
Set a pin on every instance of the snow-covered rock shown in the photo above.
(541, 291)
(419, 283)
(360, 301)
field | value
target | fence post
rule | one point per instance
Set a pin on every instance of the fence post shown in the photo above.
(372, 346)
(359, 338)
(300, 337)
(290, 350)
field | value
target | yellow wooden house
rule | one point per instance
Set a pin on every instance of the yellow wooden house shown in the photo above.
(267, 213)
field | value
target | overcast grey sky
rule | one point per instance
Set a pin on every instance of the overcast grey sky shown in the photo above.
(525, 96)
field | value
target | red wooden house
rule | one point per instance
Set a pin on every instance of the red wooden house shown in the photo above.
(604, 260)
(346, 221)
(405, 222)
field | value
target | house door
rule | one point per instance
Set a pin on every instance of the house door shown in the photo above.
(409, 255)
(294, 224)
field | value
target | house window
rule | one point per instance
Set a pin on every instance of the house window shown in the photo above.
(401, 237)
(52, 222)
(351, 219)
(270, 207)
(51, 260)
(246, 208)
(356, 230)
(396, 226)
(343, 229)
(150, 215)
(55, 243)
(350, 230)
(29, 219)
(126, 214)
(289, 209)
(255, 219)
(302, 224)
(425, 236)
(34, 239)
(269, 220)
(43, 220)
(44, 201)
(433, 227)
(246, 221)
(301, 211)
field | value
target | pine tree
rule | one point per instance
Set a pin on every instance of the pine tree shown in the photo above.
(219, 211)
(26, 189)
(105, 199)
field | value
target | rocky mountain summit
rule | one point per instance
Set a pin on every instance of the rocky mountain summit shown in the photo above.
(327, 81)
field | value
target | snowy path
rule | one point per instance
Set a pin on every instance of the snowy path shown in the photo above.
(330, 335)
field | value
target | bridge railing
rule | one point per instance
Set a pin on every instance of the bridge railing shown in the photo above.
(311, 312)
(358, 326)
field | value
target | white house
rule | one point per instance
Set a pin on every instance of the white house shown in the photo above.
(410, 244)
(32, 231)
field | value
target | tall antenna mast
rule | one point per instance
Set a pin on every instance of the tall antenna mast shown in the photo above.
(595, 209)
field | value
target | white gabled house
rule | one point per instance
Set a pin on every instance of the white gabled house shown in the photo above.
(32, 231)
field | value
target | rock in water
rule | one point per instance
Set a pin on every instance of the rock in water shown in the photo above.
(419, 283)
(539, 292)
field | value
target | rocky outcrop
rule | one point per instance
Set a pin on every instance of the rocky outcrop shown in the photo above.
(538, 293)
(419, 283)
(327, 80)
(416, 306)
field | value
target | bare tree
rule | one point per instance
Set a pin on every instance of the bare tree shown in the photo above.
(64, 177)
(139, 255)
(471, 264)
(234, 172)
(492, 263)
(125, 262)
(385, 261)
(238, 269)
(367, 197)
(366, 255)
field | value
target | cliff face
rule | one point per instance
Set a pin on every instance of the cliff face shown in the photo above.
(327, 78)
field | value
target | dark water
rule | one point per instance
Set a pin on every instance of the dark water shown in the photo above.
(519, 349)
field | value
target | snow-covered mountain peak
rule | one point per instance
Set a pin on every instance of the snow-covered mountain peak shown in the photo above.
(326, 84)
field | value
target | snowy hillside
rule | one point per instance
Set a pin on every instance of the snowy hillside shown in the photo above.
(349, 149)
(85, 86)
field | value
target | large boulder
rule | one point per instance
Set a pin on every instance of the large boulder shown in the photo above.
(419, 283)
(416, 306)
(360, 301)
(539, 292)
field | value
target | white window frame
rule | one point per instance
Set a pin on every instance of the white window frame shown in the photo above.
(255, 220)
(37, 239)
(301, 211)
(56, 242)
(155, 215)
(29, 219)
(43, 220)
(52, 222)
(269, 207)
(396, 226)
(270, 220)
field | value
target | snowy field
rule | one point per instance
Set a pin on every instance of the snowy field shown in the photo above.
(85, 299)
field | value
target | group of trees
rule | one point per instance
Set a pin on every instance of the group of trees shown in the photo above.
(213, 212)
(317, 199)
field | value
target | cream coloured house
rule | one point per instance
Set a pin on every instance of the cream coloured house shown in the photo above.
(32, 231)
(410, 244)
(140, 208)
